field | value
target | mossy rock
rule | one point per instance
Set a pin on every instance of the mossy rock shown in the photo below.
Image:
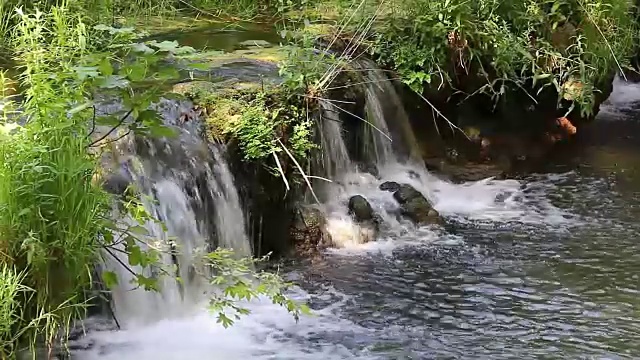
(308, 231)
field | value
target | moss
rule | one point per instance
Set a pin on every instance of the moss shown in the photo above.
(256, 116)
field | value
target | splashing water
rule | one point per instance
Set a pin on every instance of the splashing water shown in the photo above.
(392, 143)
(189, 187)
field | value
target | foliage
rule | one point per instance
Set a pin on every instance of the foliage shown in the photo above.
(240, 282)
(11, 290)
(50, 212)
(571, 45)
(256, 120)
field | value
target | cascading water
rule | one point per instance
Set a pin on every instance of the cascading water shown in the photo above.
(189, 187)
(389, 144)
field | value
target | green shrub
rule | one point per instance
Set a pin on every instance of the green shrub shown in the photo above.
(572, 45)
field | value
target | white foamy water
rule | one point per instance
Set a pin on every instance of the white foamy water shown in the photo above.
(624, 97)
(269, 332)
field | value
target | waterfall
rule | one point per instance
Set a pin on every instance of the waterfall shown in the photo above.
(188, 186)
(389, 131)
(336, 159)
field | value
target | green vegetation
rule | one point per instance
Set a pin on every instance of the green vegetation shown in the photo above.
(56, 221)
(573, 46)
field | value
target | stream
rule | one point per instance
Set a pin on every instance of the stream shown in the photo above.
(541, 268)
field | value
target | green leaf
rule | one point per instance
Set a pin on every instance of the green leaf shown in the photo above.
(142, 48)
(107, 237)
(113, 82)
(171, 47)
(135, 72)
(147, 283)
(81, 107)
(139, 230)
(135, 255)
(110, 279)
(86, 72)
(224, 320)
(167, 73)
(105, 67)
(162, 131)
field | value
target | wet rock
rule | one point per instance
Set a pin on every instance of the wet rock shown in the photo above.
(362, 212)
(415, 206)
(390, 186)
(360, 209)
(308, 231)
(116, 183)
(406, 193)
(421, 212)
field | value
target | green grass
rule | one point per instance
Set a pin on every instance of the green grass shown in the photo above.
(51, 214)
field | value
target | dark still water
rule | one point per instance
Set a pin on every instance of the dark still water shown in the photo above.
(544, 268)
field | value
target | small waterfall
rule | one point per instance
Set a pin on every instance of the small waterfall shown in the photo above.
(389, 131)
(389, 143)
(336, 159)
(189, 187)
(230, 221)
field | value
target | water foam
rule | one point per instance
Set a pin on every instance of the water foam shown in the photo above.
(269, 332)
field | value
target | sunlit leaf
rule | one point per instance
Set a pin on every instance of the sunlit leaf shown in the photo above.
(110, 279)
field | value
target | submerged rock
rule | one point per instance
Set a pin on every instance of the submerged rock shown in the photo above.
(390, 186)
(415, 206)
(308, 231)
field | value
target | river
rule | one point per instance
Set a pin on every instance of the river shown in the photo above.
(546, 267)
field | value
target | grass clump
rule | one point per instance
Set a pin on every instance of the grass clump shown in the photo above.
(51, 214)
(259, 120)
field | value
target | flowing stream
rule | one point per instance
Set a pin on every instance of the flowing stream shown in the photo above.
(546, 267)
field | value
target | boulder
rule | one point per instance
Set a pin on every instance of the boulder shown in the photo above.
(420, 211)
(308, 231)
(390, 186)
(415, 207)
(362, 212)
(360, 209)
(405, 193)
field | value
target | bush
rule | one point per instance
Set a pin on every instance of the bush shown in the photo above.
(573, 46)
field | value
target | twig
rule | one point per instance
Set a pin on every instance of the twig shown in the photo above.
(93, 122)
(116, 139)
(120, 261)
(112, 129)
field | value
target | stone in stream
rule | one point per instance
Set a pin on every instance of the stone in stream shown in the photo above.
(360, 209)
(362, 212)
(308, 231)
(416, 207)
(405, 193)
(390, 186)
